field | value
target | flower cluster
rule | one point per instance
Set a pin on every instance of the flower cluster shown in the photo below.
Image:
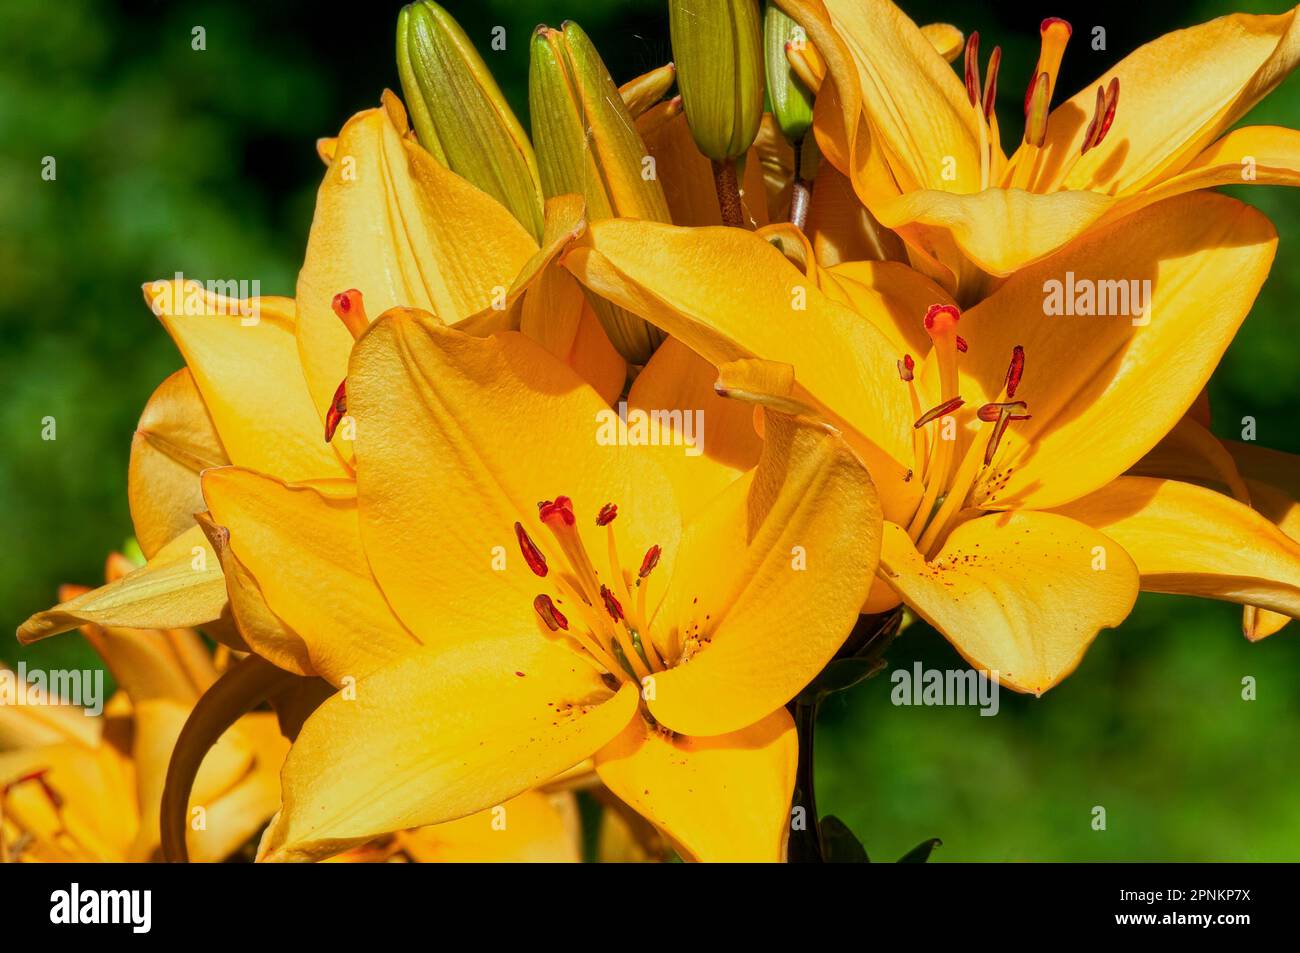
(584, 452)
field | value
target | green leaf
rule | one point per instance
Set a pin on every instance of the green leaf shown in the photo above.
(921, 852)
(839, 845)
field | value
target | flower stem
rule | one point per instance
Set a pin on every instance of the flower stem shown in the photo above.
(728, 186)
(806, 844)
(866, 644)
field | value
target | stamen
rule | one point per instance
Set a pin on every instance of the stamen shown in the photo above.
(973, 68)
(612, 605)
(532, 555)
(1005, 415)
(1040, 98)
(1015, 370)
(1102, 117)
(934, 413)
(351, 310)
(553, 617)
(650, 561)
(962, 345)
(991, 82)
(606, 514)
(991, 412)
(337, 410)
(906, 368)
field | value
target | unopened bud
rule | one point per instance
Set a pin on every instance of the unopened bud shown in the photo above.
(718, 50)
(460, 115)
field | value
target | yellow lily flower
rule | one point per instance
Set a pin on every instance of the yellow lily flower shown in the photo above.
(262, 377)
(924, 154)
(79, 788)
(1014, 537)
(655, 618)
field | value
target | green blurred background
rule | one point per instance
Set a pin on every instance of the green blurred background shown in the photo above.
(203, 161)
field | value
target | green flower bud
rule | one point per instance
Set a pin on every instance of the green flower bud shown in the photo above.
(587, 144)
(719, 55)
(460, 115)
(791, 101)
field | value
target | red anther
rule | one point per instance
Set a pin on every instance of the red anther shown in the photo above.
(611, 604)
(1004, 415)
(941, 318)
(1051, 21)
(650, 561)
(906, 368)
(552, 616)
(337, 410)
(558, 510)
(1091, 132)
(1029, 93)
(947, 407)
(962, 345)
(1112, 101)
(973, 68)
(991, 412)
(991, 81)
(1015, 369)
(532, 555)
(606, 514)
(1039, 110)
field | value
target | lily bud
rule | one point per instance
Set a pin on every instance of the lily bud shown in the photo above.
(647, 89)
(791, 101)
(587, 144)
(719, 55)
(460, 115)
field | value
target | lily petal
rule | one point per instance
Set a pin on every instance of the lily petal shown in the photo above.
(391, 222)
(1103, 390)
(768, 584)
(717, 799)
(706, 451)
(1017, 594)
(529, 829)
(1190, 540)
(244, 359)
(181, 586)
(752, 302)
(437, 736)
(332, 601)
(890, 295)
(915, 103)
(174, 440)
